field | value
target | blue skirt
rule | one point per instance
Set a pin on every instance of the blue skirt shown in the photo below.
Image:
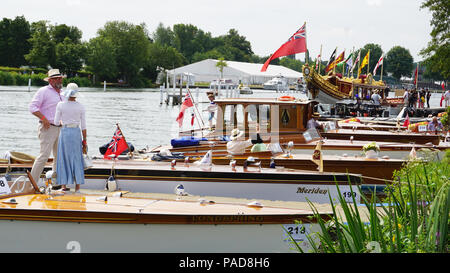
(69, 163)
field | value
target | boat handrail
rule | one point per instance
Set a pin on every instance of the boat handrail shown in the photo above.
(23, 183)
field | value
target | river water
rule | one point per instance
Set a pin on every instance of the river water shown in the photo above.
(141, 117)
(143, 120)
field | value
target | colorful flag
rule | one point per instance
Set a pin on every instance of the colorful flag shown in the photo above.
(117, 145)
(186, 104)
(364, 62)
(317, 156)
(295, 44)
(349, 60)
(406, 123)
(443, 86)
(333, 55)
(356, 61)
(379, 63)
(335, 62)
(317, 61)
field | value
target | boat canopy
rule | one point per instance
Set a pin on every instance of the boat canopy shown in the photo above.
(284, 115)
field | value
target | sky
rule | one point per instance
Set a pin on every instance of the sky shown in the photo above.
(345, 24)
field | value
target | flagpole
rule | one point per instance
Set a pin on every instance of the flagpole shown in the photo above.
(382, 65)
(357, 76)
(368, 63)
(353, 56)
(320, 60)
(343, 73)
(195, 107)
(334, 67)
(417, 69)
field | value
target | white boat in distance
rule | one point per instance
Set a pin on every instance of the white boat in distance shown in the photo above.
(279, 83)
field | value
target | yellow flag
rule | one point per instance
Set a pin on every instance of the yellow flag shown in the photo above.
(317, 156)
(364, 62)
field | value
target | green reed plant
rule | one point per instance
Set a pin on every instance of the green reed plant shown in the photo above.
(413, 219)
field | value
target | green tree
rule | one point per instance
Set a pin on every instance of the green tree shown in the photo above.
(235, 47)
(189, 40)
(163, 56)
(69, 56)
(42, 52)
(399, 62)
(211, 54)
(130, 46)
(292, 64)
(14, 35)
(101, 59)
(59, 33)
(437, 53)
(221, 64)
(164, 36)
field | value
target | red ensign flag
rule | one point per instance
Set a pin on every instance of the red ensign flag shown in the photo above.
(117, 145)
(186, 104)
(295, 44)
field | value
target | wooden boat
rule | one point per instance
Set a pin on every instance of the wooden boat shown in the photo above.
(342, 147)
(218, 180)
(374, 171)
(285, 119)
(374, 135)
(333, 87)
(78, 222)
(18, 157)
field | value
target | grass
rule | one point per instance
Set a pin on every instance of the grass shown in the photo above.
(413, 219)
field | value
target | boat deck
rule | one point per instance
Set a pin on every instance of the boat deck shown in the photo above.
(91, 207)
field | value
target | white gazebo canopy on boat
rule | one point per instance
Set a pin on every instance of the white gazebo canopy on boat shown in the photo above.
(238, 72)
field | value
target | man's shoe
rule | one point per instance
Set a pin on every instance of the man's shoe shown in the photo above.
(56, 187)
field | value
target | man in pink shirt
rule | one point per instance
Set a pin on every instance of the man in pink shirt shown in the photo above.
(43, 106)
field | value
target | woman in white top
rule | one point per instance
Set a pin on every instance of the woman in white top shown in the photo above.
(71, 115)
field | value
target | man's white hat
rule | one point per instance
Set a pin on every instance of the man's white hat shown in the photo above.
(236, 133)
(53, 73)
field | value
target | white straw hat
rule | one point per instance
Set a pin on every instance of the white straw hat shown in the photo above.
(71, 90)
(236, 133)
(53, 73)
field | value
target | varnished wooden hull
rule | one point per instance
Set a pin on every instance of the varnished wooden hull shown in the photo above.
(268, 184)
(365, 135)
(82, 223)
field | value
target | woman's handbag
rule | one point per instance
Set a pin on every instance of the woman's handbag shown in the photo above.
(87, 161)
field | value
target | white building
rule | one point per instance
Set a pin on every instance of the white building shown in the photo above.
(238, 72)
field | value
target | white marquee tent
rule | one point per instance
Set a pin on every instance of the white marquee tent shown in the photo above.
(246, 73)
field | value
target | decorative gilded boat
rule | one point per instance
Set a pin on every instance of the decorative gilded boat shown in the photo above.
(331, 88)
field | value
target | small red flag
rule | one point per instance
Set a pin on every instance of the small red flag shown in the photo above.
(406, 123)
(443, 86)
(186, 104)
(192, 119)
(117, 145)
(295, 44)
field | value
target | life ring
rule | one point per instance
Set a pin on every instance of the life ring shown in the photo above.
(286, 98)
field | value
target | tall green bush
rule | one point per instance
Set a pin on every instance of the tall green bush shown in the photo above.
(414, 219)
